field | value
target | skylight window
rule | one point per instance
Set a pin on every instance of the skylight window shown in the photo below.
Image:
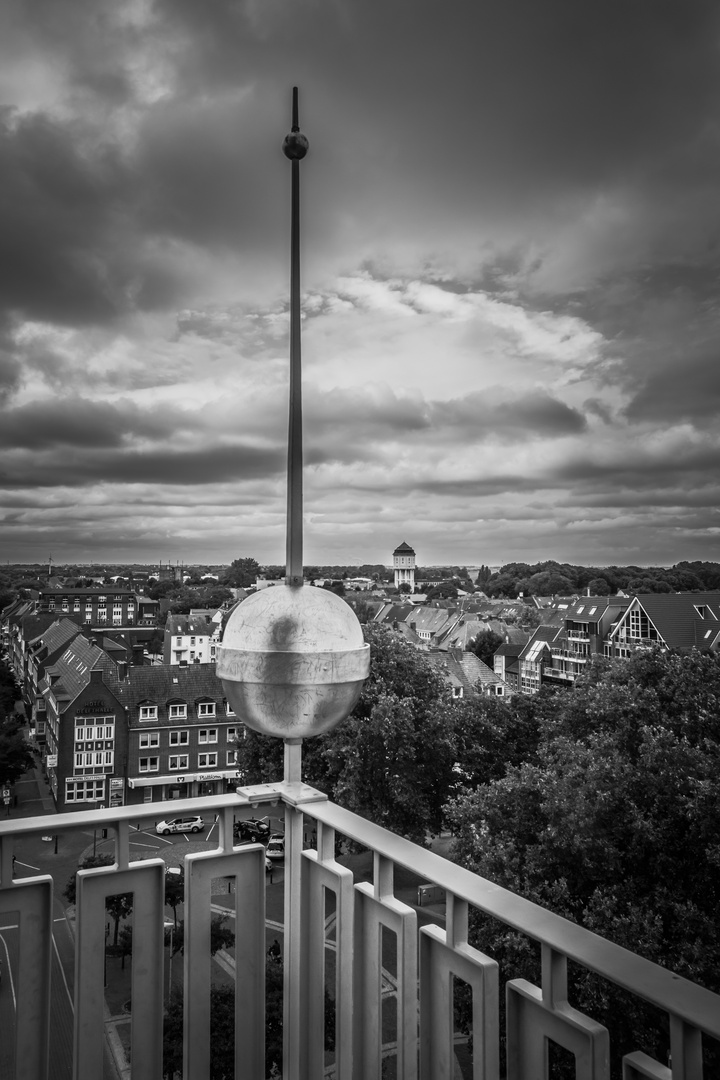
(581, 609)
(592, 610)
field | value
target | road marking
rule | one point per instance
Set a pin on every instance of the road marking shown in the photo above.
(164, 841)
(10, 926)
(211, 829)
(136, 843)
(9, 969)
(62, 972)
(29, 865)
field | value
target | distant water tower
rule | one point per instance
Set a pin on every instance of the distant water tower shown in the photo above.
(404, 566)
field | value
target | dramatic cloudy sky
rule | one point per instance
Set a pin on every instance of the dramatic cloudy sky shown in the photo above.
(511, 228)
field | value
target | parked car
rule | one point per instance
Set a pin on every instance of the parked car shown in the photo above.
(276, 847)
(251, 831)
(180, 825)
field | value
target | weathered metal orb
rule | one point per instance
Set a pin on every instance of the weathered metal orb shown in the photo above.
(293, 661)
(295, 146)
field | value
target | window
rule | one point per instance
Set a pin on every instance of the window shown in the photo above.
(179, 738)
(178, 712)
(231, 759)
(231, 734)
(178, 761)
(84, 790)
(178, 641)
(207, 761)
(192, 640)
(229, 709)
(149, 764)
(207, 735)
(148, 712)
(102, 599)
(149, 738)
(206, 708)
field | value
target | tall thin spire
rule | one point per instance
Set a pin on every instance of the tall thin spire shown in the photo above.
(295, 147)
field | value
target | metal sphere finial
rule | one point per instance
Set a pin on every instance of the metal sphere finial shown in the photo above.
(295, 145)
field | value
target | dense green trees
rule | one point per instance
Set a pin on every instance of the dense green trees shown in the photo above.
(613, 821)
(550, 577)
(15, 756)
(485, 645)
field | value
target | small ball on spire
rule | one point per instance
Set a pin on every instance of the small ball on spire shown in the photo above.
(295, 146)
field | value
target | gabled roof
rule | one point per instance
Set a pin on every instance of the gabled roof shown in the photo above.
(511, 648)
(403, 549)
(683, 620)
(429, 620)
(542, 638)
(463, 669)
(57, 636)
(167, 682)
(34, 625)
(188, 624)
(72, 669)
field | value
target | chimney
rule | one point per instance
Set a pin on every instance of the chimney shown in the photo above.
(122, 670)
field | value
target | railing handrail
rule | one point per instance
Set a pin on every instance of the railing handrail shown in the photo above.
(672, 993)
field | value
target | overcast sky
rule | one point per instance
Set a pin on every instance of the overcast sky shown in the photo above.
(511, 256)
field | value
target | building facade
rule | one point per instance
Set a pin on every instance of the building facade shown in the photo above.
(404, 566)
(191, 639)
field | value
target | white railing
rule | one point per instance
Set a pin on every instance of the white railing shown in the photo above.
(426, 958)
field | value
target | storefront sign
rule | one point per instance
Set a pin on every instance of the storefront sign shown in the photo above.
(51, 761)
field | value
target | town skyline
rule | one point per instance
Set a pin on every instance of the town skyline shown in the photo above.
(511, 251)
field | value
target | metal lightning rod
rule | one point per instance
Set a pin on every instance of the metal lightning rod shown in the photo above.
(295, 147)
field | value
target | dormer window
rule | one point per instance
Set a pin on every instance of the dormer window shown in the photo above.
(178, 712)
(701, 610)
(148, 712)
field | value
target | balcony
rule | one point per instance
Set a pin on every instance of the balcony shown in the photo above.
(425, 959)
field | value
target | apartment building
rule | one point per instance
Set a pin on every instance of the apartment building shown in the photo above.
(191, 639)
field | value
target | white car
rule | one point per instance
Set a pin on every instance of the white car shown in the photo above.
(179, 825)
(276, 847)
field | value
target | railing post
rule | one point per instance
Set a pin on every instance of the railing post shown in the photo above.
(294, 919)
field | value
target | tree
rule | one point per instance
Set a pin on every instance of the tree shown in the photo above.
(15, 756)
(222, 1034)
(613, 823)
(446, 591)
(485, 644)
(599, 587)
(119, 906)
(241, 573)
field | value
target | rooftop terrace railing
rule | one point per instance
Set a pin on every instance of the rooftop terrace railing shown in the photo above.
(326, 911)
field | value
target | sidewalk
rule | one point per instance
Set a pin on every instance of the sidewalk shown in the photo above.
(33, 795)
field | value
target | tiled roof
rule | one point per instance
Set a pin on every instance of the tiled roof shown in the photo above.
(543, 636)
(188, 624)
(165, 682)
(429, 620)
(463, 669)
(34, 625)
(403, 549)
(678, 621)
(516, 636)
(73, 669)
(511, 648)
(60, 632)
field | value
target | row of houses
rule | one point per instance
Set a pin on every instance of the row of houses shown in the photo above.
(113, 733)
(575, 630)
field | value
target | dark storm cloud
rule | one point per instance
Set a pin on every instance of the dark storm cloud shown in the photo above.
(476, 417)
(71, 253)
(640, 469)
(85, 424)
(207, 465)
